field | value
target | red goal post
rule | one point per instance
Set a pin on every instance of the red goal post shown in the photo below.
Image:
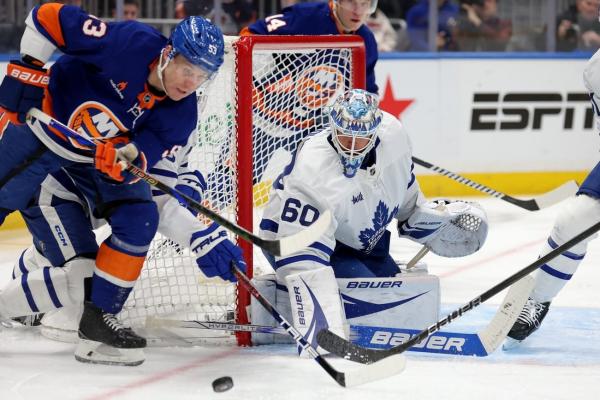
(268, 96)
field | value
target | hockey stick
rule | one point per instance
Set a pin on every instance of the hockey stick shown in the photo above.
(478, 344)
(152, 322)
(281, 247)
(333, 343)
(536, 203)
(383, 369)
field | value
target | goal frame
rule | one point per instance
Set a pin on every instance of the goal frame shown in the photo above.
(244, 48)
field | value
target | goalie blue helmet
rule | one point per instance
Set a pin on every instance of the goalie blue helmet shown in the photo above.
(200, 42)
(354, 118)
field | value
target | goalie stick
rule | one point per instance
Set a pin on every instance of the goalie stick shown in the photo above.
(366, 373)
(337, 345)
(280, 247)
(536, 203)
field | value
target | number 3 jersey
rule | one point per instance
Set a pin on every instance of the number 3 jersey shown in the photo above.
(384, 188)
(99, 84)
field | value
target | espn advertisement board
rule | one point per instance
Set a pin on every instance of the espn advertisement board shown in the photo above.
(487, 115)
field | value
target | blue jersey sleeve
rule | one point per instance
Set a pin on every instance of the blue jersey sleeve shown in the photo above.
(81, 35)
(167, 129)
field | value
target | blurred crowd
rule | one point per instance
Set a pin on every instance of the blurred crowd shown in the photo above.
(398, 25)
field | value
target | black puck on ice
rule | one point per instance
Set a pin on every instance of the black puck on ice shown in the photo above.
(222, 384)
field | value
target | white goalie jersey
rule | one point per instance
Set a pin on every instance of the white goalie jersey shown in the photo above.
(362, 206)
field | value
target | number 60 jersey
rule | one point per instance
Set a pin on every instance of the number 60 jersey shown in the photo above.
(384, 188)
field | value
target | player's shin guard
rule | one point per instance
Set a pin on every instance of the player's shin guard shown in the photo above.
(38, 289)
(577, 214)
(316, 304)
(118, 265)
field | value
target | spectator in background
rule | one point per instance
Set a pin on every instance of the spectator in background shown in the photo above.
(394, 9)
(578, 27)
(233, 15)
(76, 3)
(417, 20)
(186, 8)
(479, 28)
(131, 9)
(382, 29)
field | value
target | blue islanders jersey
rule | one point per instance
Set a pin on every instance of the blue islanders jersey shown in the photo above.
(315, 19)
(100, 83)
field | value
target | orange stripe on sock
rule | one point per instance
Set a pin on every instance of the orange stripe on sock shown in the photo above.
(120, 265)
(47, 16)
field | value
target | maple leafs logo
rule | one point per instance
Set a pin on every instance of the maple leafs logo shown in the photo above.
(370, 236)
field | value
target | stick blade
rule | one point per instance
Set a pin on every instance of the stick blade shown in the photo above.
(382, 369)
(557, 195)
(348, 350)
(494, 334)
(301, 240)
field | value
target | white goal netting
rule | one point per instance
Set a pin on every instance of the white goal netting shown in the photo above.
(249, 122)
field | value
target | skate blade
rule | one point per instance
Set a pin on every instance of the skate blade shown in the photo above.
(92, 352)
(510, 344)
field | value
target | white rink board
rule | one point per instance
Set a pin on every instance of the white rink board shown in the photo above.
(439, 119)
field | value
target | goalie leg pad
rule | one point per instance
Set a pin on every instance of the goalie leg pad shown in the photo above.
(46, 288)
(577, 214)
(316, 303)
(277, 294)
(62, 324)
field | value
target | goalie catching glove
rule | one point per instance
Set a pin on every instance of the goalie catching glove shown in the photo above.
(215, 253)
(448, 229)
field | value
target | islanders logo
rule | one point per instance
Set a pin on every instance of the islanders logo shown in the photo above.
(295, 102)
(95, 120)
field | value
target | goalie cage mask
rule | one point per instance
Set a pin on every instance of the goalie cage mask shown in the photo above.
(354, 118)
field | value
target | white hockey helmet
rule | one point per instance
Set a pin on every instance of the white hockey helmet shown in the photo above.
(354, 118)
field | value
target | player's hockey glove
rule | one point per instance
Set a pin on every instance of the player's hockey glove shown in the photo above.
(215, 252)
(22, 88)
(193, 185)
(109, 159)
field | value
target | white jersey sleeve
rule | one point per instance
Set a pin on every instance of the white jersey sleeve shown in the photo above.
(176, 221)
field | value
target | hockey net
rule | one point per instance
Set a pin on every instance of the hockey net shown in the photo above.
(269, 95)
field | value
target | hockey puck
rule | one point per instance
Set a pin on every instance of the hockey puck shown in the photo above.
(222, 384)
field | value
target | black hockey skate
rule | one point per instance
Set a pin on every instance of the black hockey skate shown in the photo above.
(104, 340)
(528, 321)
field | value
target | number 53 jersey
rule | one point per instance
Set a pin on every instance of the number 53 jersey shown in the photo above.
(99, 84)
